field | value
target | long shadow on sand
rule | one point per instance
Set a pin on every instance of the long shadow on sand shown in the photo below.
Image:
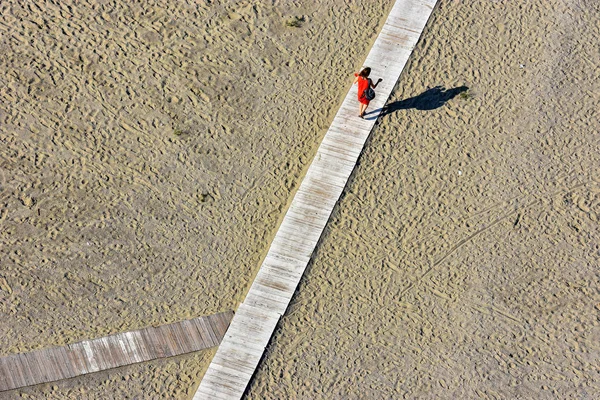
(430, 99)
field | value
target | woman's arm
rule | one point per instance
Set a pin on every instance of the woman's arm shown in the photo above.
(375, 85)
(355, 79)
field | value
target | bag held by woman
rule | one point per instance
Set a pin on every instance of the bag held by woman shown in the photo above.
(369, 93)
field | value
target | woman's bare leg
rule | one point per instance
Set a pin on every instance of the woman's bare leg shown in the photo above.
(363, 108)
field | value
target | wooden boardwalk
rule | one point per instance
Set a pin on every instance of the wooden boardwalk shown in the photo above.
(254, 322)
(112, 351)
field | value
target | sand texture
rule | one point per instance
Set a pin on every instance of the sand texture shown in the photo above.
(462, 260)
(147, 155)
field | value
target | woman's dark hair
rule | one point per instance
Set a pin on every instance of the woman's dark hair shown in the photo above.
(365, 72)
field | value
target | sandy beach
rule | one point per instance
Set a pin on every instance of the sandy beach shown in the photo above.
(149, 153)
(462, 261)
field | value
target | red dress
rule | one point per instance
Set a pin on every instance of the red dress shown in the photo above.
(363, 84)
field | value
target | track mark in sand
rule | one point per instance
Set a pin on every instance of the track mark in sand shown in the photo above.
(505, 204)
(519, 212)
(460, 244)
(485, 309)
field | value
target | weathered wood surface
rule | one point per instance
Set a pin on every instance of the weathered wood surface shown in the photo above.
(112, 351)
(250, 331)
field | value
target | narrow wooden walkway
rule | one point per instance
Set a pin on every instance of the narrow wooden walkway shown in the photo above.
(242, 348)
(112, 351)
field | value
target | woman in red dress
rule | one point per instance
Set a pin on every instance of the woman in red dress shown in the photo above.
(362, 78)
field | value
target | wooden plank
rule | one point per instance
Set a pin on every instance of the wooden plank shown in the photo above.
(17, 370)
(180, 341)
(240, 364)
(221, 322)
(7, 376)
(27, 375)
(196, 340)
(338, 135)
(273, 287)
(209, 336)
(213, 328)
(275, 281)
(291, 273)
(60, 357)
(100, 352)
(90, 356)
(78, 359)
(52, 364)
(348, 125)
(47, 369)
(333, 155)
(34, 369)
(153, 342)
(133, 347)
(308, 200)
(251, 328)
(165, 341)
(304, 249)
